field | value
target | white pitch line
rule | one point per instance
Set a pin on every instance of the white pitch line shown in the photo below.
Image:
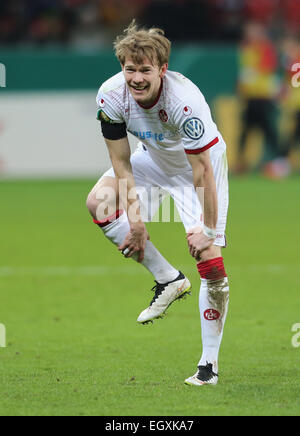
(68, 270)
(94, 270)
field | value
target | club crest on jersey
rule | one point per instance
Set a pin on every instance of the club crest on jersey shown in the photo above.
(163, 116)
(102, 103)
(194, 128)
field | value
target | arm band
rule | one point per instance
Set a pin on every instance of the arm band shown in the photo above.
(113, 131)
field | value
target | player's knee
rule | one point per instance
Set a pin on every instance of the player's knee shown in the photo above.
(211, 253)
(102, 202)
(92, 204)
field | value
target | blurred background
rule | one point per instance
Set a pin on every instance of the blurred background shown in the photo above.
(54, 54)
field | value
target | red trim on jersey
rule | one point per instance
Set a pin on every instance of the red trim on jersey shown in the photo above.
(212, 269)
(110, 219)
(201, 150)
(156, 100)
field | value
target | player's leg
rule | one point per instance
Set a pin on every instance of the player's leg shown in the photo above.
(213, 297)
(104, 205)
(296, 139)
(241, 164)
(268, 123)
(213, 306)
(171, 284)
(214, 290)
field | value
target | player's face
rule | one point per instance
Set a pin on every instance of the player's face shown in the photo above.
(144, 80)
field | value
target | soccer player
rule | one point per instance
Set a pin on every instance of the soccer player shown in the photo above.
(181, 151)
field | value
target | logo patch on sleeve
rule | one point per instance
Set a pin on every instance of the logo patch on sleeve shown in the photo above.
(194, 128)
(187, 110)
(101, 116)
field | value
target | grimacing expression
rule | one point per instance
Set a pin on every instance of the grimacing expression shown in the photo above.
(144, 80)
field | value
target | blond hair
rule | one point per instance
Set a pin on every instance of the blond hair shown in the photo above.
(138, 43)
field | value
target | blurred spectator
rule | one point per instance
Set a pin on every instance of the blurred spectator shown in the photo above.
(291, 15)
(120, 12)
(261, 11)
(188, 20)
(90, 21)
(290, 99)
(257, 88)
(291, 59)
(12, 21)
(65, 21)
(228, 18)
(36, 21)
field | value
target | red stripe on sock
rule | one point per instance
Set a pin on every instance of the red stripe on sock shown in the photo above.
(212, 269)
(110, 219)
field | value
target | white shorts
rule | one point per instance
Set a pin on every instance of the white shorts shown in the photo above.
(152, 185)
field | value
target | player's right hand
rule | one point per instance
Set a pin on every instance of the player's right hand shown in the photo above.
(135, 241)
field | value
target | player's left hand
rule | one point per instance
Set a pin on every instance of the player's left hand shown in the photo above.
(198, 242)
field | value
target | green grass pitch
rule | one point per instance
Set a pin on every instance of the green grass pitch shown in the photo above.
(69, 303)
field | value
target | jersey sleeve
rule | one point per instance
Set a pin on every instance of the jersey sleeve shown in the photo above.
(196, 126)
(108, 108)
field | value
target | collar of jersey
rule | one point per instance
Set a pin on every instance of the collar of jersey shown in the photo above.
(156, 100)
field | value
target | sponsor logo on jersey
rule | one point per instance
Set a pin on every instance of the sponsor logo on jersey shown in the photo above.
(187, 110)
(163, 116)
(211, 315)
(148, 135)
(194, 128)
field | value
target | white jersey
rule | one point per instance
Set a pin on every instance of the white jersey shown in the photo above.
(178, 123)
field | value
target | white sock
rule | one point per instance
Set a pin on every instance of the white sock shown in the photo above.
(213, 304)
(155, 263)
